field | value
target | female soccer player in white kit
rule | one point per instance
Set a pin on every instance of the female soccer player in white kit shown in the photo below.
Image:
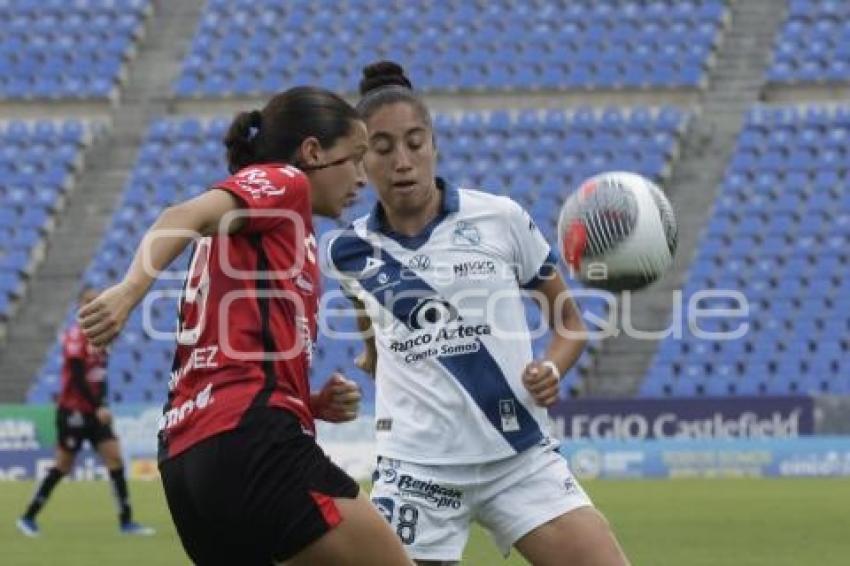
(461, 424)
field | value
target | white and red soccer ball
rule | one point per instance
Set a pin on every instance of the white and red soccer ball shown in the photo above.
(617, 232)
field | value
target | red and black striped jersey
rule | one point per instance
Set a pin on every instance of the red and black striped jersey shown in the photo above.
(247, 317)
(75, 346)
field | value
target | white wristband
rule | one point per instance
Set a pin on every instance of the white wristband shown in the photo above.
(551, 365)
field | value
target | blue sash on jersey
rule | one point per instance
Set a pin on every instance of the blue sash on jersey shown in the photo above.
(477, 372)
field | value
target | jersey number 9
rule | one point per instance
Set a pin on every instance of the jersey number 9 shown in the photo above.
(193, 306)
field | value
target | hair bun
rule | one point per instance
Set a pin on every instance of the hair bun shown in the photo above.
(381, 74)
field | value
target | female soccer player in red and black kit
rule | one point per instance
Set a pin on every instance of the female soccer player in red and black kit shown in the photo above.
(245, 481)
(82, 414)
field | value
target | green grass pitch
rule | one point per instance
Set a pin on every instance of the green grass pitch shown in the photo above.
(660, 523)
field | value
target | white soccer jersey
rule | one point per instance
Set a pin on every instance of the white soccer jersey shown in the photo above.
(450, 327)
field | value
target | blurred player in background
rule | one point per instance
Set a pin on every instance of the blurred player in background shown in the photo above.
(462, 428)
(82, 414)
(245, 481)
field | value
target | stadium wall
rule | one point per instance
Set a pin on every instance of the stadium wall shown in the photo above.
(744, 437)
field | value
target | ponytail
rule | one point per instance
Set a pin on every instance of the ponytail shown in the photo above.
(241, 138)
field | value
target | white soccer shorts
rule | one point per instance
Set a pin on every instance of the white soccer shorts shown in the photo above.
(431, 507)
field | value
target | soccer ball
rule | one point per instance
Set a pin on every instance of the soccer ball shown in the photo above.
(617, 232)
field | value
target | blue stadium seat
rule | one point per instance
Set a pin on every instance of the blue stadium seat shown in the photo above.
(73, 52)
(507, 49)
(780, 238)
(811, 45)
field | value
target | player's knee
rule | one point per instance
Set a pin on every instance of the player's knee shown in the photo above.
(64, 461)
(110, 451)
(64, 468)
(113, 463)
(112, 458)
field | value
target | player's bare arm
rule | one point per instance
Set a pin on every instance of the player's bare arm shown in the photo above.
(367, 360)
(542, 378)
(103, 318)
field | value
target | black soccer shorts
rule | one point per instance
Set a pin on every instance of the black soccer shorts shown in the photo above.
(257, 494)
(75, 427)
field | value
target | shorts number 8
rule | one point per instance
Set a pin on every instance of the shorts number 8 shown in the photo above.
(407, 517)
